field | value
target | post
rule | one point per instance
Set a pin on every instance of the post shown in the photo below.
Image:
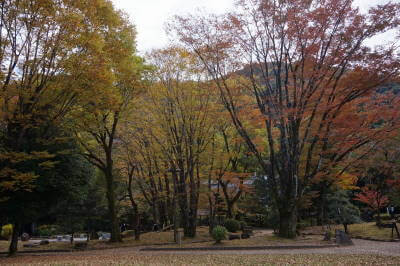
(179, 237)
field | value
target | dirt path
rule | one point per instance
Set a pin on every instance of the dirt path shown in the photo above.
(360, 247)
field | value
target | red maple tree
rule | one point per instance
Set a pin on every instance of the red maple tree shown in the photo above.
(374, 199)
(312, 78)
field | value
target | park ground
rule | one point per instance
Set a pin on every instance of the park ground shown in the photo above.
(364, 252)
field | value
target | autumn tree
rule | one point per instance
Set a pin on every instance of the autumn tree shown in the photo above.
(47, 51)
(374, 199)
(378, 174)
(142, 166)
(311, 76)
(179, 121)
(109, 98)
(230, 168)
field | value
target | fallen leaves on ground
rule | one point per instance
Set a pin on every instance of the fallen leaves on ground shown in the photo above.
(162, 259)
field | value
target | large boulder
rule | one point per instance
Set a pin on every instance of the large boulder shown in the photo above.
(342, 238)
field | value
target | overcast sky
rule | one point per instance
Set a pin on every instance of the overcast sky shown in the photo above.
(149, 16)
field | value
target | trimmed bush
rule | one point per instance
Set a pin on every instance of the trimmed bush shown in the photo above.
(232, 225)
(6, 231)
(219, 233)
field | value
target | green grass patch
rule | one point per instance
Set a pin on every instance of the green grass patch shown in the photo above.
(371, 230)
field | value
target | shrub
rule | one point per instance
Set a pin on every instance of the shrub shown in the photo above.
(48, 230)
(6, 231)
(232, 225)
(219, 233)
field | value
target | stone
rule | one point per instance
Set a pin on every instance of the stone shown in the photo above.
(25, 237)
(233, 236)
(327, 236)
(44, 242)
(342, 238)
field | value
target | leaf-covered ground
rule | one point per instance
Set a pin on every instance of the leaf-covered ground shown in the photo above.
(309, 259)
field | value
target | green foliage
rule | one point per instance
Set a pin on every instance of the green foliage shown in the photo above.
(219, 233)
(341, 210)
(48, 230)
(232, 225)
(6, 231)
(258, 220)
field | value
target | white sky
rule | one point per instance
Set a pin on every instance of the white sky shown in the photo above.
(149, 16)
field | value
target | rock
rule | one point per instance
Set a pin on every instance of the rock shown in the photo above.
(234, 236)
(245, 235)
(342, 238)
(327, 236)
(44, 242)
(25, 237)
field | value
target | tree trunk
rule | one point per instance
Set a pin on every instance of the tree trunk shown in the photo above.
(14, 240)
(136, 222)
(287, 223)
(115, 230)
(183, 204)
(321, 206)
(211, 220)
(378, 218)
(345, 228)
(229, 209)
(192, 223)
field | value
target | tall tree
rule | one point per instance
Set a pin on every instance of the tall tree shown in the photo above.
(109, 99)
(179, 111)
(46, 49)
(310, 73)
